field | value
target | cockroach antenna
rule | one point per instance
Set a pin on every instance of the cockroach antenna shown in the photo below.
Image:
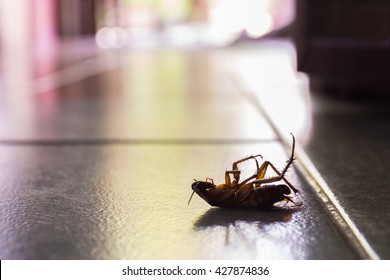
(192, 194)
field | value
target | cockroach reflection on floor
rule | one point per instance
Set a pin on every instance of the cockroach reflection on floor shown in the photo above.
(255, 192)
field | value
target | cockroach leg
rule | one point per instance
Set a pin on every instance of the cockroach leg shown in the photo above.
(235, 164)
(236, 175)
(276, 178)
(260, 174)
(209, 179)
(289, 199)
(281, 174)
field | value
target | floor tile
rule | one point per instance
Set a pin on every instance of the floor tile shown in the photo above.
(130, 202)
(159, 95)
(350, 147)
(102, 167)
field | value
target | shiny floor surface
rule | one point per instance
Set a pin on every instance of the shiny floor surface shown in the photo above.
(350, 147)
(97, 159)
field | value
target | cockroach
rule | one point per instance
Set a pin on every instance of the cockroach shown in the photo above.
(254, 192)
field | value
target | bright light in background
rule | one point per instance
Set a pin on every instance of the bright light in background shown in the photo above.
(174, 23)
(258, 26)
(111, 37)
(233, 17)
(283, 93)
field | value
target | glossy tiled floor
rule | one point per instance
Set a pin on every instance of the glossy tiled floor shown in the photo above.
(99, 165)
(350, 147)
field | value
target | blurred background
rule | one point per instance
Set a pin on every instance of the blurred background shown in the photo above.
(33, 33)
(324, 32)
(103, 102)
(128, 23)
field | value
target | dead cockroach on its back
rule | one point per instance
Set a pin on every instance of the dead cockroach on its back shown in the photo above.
(253, 192)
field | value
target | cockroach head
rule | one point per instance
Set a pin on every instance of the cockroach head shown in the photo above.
(201, 186)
